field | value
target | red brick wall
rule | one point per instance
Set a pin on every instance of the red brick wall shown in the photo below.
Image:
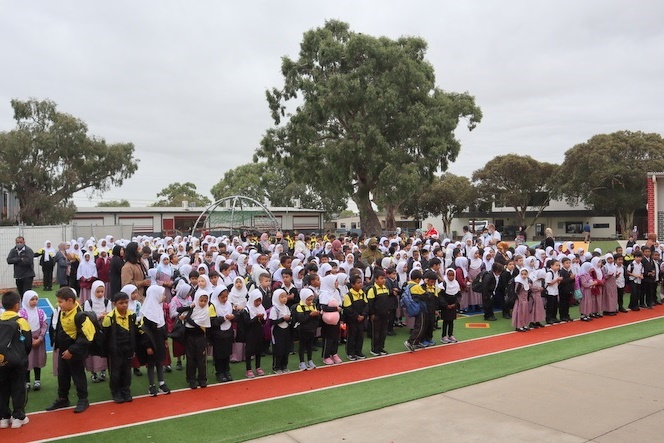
(652, 216)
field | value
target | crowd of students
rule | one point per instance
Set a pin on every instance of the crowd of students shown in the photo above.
(243, 298)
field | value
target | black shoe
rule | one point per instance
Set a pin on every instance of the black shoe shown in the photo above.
(137, 372)
(81, 406)
(492, 318)
(164, 388)
(117, 398)
(59, 404)
(555, 320)
(549, 322)
(507, 316)
(229, 377)
(168, 369)
(657, 302)
(360, 356)
(152, 390)
(127, 396)
(636, 309)
(643, 305)
(193, 385)
(221, 378)
(203, 384)
(623, 310)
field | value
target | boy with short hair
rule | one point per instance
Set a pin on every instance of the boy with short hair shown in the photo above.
(635, 273)
(13, 371)
(73, 342)
(378, 297)
(566, 289)
(355, 309)
(418, 293)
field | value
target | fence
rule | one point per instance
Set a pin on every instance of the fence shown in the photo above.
(36, 236)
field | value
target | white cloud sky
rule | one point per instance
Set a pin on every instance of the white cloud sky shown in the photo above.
(185, 81)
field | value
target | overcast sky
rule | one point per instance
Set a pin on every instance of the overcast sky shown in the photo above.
(185, 81)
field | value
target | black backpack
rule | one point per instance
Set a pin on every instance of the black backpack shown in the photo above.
(98, 344)
(478, 283)
(12, 348)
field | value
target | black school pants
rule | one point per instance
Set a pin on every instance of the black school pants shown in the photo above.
(648, 289)
(635, 295)
(379, 331)
(281, 347)
(354, 337)
(68, 370)
(487, 305)
(563, 305)
(418, 331)
(48, 275)
(196, 351)
(120, 380)
(551, 307)
(12, 385)
(621, 293)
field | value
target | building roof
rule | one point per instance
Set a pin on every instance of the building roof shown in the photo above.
(178, 209)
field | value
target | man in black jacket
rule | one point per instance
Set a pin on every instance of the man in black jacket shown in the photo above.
(23, 259)
(490, 284)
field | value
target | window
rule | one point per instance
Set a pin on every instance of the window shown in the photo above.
(342, 225)
(600, 225)
(353, 225)
(573, 227)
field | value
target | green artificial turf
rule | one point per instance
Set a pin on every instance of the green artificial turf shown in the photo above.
(274, 416)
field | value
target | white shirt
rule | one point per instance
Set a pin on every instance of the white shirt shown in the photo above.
(553, 288)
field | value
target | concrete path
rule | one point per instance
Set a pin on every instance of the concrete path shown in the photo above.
(614, 395)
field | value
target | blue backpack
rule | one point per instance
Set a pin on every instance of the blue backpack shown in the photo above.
(413, 307)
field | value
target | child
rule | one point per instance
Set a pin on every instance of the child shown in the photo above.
(521, 311)
(221, 336)
(238, 294)
(121, 329)
(330, 303)
(552, 282)
(355, 308)
(448, 302)
(72, 342)
(280, 315)
(635, 273)
(100, 306)
(254, 339)
(36, 318)
(609, 295)
(380, 303)
(291, 291)
(418, 294)
(431, 300)
(182, 298)
(154, 339)
(135, 307)
(12, 375)
(537, 313)
(566, 288)
(307, 319)
(196, 318)
(620, 281)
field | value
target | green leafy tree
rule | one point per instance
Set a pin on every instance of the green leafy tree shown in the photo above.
(176, 193)
(399, 184)
(49, 156)
(362, 103)
(114, 204)
(519, 182)
(447, 197)
(609, 172)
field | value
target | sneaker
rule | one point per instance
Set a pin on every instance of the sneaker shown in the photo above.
(336, 359)
(445, 340)
(117, 398)
(178, 366)
(4, 423)
(352, 358)
(37, 385)
(137, 372)
(409, 346)
(17, 423)
(279, 372)
(250, 374)
(285, 371)
(127, 397)
(328, 361)
(452, 339)
(193, 385)
(94, 378)
(102, 376)
(168, 369)
(59, 404)
(360, 356)
(259, 372)
(229, 377)
(27, 386)
(311, 364)
(164, 388)
(375, 353)
(81, 406)
(152, 390)
(221, 378)
(383, 352)
(302, 366)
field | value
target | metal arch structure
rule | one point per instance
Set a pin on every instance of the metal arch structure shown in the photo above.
(236, 213)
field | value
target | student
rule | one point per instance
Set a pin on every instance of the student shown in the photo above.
(635, 273)
(100, 306)
(418, 293)
(588, 302)
(154, 339)
(291, 290)
(72, 342)
(254, 318)
(183, 293)
(12, 375)
(648, 283)
(196, 318)
(36, 318)
(264, 286)
(537, 313)
(135, 307)
(392, 283)
(620, 281)
(330, 303)
(280, 316)
(552, 283)
(121, 330)
(238, 294)
(596, 290)
(380, 304)
(521, 311)
(307, 319)
(566, 289)
(448, 303)
(489, 289)
(431, 300)
(609, 297)
(355, 310)
(221, 336)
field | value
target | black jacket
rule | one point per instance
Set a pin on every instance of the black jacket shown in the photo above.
(24, 262)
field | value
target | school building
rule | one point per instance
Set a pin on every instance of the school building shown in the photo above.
(655, 202)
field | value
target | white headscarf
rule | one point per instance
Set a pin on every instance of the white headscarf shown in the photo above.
(452, 287)
(99, 305)
(328, 290)
(523, 281)
(297, 281)
(238, 297)
(223, 309)
(610, 268)
(153, 309)
(255, 310)
(163, 268)
(201, 316)
(278, 310)
(32, 313)
(87, 268)
(475, 263)
(49, 252)
(462, 262)
(595, 262)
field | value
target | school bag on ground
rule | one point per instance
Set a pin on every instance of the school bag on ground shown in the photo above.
(478, 282)
(413, 307)
(98, 344)
(12, 349)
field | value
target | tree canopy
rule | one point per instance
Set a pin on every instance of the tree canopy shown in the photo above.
(362, 103)
(114, 204)
(519, 182)
(176, 193)
(49, 156)
(609, 172)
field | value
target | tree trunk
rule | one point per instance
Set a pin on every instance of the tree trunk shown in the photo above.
(626, 220)
(447, 224)
(368, 217)
(390, 221)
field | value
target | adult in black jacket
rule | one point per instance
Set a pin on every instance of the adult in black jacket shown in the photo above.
(117, 262)
(23, 259)
(490, 284)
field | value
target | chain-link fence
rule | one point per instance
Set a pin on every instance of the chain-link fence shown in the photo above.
(36, 237)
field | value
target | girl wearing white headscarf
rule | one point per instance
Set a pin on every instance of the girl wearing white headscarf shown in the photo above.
(521, 310)
(596, 290)
(86, 274)
(255, 317)
(241, 263)
(449, 302)
(588, 306)
(154, 328)
(100, 306)
(238, 294)
(47, 263)
(164, 276)
(183, 293)
(280, 315)
(221, 335)
(610, 288)
(471, 300)
(36, 318)
(297, 278)
(134, 304)
(538, 314)
(330, 301)
(196, 318)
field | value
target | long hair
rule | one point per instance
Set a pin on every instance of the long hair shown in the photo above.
(131, 253)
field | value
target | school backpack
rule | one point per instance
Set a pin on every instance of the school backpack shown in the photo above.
(12, 349)
(98, 344)
(478, 282)
(413, 307)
